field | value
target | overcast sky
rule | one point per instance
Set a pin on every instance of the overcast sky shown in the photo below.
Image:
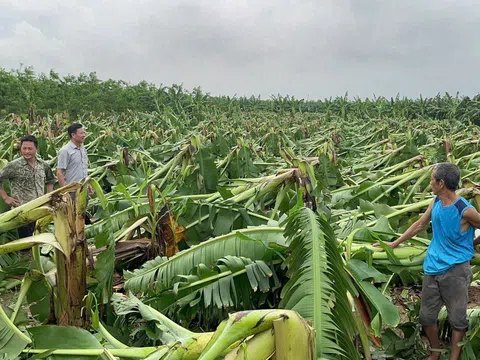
(309, 49)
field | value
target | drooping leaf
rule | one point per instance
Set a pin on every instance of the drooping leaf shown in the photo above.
(364, 272)
(208, 170)
(160, 272)
(104, 269)
(171, 331)
(228, 275)
(99, 192)
(38, 298)
(318, 285)
(12, 340)
(28, 242)
(63, 337)
(387, 310)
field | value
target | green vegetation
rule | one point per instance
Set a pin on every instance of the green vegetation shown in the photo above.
(22, 91)
(219, 220)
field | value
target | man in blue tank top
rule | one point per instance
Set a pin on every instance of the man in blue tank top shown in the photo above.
(447, 264)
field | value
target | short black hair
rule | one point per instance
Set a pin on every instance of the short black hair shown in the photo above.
(449, 173)
(29, 138)
(72, 129)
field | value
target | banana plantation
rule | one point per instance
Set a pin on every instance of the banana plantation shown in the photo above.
(230, 234)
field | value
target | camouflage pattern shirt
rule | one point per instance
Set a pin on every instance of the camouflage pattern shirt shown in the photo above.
(26, 182)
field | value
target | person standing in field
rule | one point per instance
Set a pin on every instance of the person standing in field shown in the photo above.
(447, 272)
(72, 161)
(28, 176)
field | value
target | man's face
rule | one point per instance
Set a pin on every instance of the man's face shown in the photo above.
(436, 185)
(79, 136)
(28, 150)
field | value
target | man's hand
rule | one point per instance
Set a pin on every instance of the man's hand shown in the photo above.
(11, 201)
(90, 190)
(61, 177)
(476, 241)
(392, 244)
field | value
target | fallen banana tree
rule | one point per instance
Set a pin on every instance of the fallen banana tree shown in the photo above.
(318, 285)
(69, 242)
(35, 209)
(258, 334)
(233, 338)
(280, 332)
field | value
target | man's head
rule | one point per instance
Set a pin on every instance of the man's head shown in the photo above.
(76, 133)
(28, 147)
(445, 177)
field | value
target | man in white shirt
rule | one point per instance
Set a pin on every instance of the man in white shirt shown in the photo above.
(73, 158)
(72, 162)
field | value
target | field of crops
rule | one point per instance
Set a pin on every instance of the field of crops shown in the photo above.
(201, 213)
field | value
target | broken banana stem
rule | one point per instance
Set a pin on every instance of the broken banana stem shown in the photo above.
(178, 332)
(239, 326)
(294, 338)
(196, 346)
(156, 355)
(187, 350)
(258, 347)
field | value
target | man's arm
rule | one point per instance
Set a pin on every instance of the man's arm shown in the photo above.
(10, 201)
(61, 177)
(414, 229)
(5, 174)
(49, 178)
(473, 218)
(476, 241)
(62, 163)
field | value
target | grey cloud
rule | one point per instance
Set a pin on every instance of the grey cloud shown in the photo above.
(306, 48)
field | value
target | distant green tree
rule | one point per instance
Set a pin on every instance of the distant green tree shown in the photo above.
(22, 91)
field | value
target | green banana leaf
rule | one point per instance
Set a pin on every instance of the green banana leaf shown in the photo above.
(252, 243)
(28, 242)
(318, 285)
(362, 275)
(12, 340)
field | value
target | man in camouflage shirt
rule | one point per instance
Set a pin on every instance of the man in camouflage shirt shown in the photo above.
(28, 176)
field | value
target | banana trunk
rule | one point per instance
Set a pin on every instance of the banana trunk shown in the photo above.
(258, 347)
(294, 338)
(69, 224)
(239, 326)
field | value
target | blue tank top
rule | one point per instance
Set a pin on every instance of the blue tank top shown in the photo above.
(449, 245)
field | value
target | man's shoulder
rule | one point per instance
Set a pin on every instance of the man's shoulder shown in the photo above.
(462, 204)
(14, 167)
(15, 163)
(66, 147)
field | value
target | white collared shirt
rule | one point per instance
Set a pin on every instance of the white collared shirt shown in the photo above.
(74, 160)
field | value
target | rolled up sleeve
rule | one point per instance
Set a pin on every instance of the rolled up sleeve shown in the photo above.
(49, 177)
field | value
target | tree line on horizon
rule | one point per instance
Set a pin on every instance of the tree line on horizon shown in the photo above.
(23, 91)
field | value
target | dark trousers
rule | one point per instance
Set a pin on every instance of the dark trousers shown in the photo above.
(449, 289)
(87, 217)
(26, 230)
